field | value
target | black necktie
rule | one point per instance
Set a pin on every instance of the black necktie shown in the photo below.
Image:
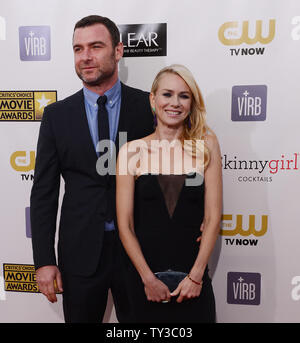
(103, 129)
(103, 124)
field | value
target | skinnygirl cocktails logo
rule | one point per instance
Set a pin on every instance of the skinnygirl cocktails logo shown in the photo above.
(253, 170)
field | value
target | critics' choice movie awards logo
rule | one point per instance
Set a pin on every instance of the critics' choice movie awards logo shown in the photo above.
(25, 105)
(34, 43)
(249, 103)
(260, 170)
(20, 278)
(243, 288)
(144, 39)
(249, 33)
(247, 229)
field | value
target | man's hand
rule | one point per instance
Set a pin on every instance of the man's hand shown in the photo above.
(49, 281)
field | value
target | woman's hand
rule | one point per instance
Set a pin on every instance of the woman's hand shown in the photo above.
(156, 290)
(187, 289)
(201, 230)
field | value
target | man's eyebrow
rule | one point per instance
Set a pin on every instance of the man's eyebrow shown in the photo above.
(97, 42)
(90, 43)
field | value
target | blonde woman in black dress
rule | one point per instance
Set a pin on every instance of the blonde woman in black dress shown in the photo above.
(169, 185)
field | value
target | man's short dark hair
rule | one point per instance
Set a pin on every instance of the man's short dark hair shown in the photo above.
(97, 19)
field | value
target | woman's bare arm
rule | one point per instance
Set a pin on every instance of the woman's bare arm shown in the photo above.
(125, 184)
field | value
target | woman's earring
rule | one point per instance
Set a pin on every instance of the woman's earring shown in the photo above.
(154, 117)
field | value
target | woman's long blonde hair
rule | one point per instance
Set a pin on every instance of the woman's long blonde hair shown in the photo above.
(197, 129)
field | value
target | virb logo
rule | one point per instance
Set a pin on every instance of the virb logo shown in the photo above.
(243, 288)
(249, 103)
(34, 43)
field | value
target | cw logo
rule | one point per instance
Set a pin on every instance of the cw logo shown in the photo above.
(239, 227)
(23, 161)
(228, 31)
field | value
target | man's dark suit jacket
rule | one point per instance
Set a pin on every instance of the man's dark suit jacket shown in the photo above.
(65, 148)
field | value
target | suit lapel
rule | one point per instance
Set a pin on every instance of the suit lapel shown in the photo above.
(81, 123)
(81, 126)
(126, 110)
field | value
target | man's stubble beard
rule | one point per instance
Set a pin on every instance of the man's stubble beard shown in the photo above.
(98, 80)
(102, 75)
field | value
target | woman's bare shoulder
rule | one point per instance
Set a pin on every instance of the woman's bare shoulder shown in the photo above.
(212, 141)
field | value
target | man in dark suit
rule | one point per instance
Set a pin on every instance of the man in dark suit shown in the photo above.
(89, 251)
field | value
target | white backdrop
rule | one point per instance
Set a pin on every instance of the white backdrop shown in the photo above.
(250, 82)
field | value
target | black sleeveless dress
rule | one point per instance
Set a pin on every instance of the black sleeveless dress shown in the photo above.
(167, 217)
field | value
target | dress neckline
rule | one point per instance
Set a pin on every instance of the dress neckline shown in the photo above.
(171, 190)
(190, 174)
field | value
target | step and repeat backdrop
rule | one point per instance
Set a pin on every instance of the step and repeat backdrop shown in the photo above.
(245, 56)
